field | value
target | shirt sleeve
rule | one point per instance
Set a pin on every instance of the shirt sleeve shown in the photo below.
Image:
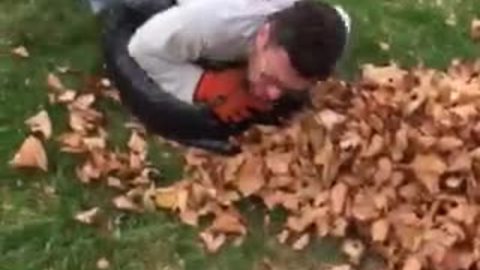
(165, 47)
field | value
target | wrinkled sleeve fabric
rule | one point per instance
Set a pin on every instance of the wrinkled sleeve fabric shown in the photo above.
(165, 47)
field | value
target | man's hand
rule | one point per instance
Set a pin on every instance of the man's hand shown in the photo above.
(226, 94)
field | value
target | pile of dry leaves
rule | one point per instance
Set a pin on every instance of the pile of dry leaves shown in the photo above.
(393, 157)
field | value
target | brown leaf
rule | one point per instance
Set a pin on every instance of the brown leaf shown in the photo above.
(428, 168)
(30, 155)
(72, 142)
(124, 203)
(212, 243)
(384, 170)
(279, 163)
(379, 230)
(21, 51)
(475, 29)
(250, 177)
(338, 197)
(40, 123)
(363, 207)
(301, 242)
(102, 264)
(54, 83)
(166, 198)
(457, 258)
(375, 146)
(189, 217)
(228, 222)
(412, 263)
(329, 118)
(388, 76)
(67, 96)
(88, 216)
(448, 143)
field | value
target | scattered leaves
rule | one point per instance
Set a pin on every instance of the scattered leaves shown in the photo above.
(88, 216)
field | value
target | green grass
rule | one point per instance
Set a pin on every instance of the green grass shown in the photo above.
(36, 228)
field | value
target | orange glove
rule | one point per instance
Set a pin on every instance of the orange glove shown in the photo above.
(226, 93)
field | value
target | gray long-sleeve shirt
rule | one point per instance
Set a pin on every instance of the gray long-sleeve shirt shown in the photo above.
(220, 30)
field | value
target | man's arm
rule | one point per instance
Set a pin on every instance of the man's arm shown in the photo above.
(165, 47)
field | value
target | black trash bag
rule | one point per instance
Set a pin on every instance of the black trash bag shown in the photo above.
(160, 112)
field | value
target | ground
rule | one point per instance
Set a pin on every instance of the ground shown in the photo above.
(37, 230)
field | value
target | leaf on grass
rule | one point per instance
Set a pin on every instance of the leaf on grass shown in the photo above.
(122, 202)
(21, 51)
(212, 243)
(301, 242)
(40, 123)
(103, 264)
(88, 216)
(54, 83)
(67, 96)
(72, 142)
(30, 155)
(228, 222)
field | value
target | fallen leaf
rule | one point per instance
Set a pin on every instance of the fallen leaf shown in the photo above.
(88, 216)
(379, 230)
(250, 177)
(428, 169)
(30, 155)
(301, 242)
(283, 236)
(72, 142)
(54, 83)
(329, 118)
(124, 203)
(412, 263)
(279, 163)
(103, 263)
(384, 46)
(229, 223)
(40, 123)
(67, 96)
(166, 198)
(211, 242)
(21, 51)
(338, 197)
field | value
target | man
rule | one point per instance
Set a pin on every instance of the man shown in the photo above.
(271, 52)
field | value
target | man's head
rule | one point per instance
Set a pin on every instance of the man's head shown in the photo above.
(296, 47)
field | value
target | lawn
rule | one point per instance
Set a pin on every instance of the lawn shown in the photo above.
(37, 230)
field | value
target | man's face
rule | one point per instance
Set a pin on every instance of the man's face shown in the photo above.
(270, 71)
